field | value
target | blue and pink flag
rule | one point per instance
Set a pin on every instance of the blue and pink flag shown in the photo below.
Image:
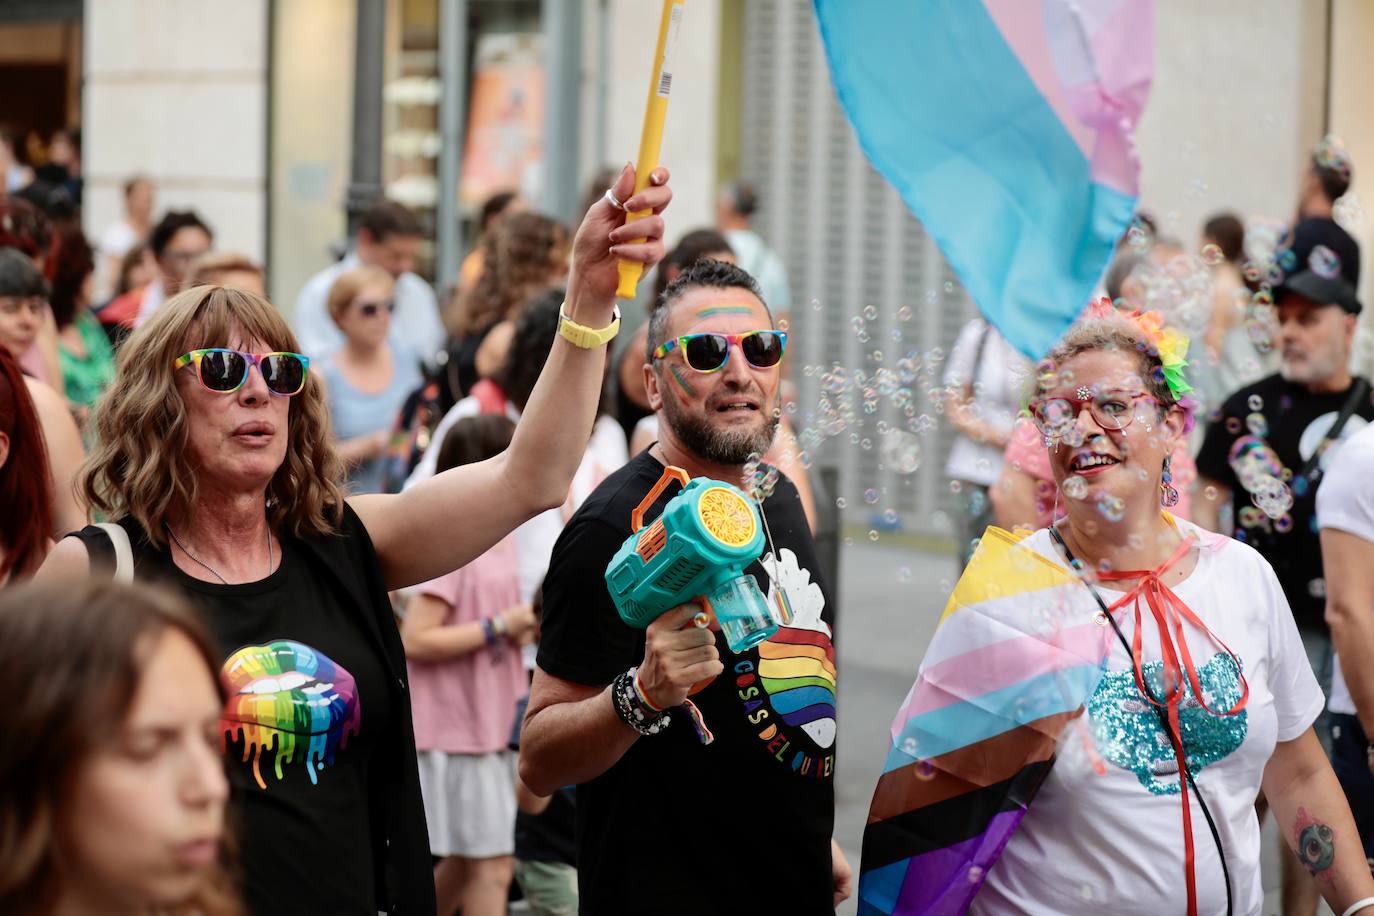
(1006, 125)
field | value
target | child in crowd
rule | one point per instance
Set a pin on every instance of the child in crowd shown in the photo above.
(462, 635)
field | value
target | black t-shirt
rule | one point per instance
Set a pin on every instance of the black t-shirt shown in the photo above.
(1271, 428)
(742, 825)
(308, 699)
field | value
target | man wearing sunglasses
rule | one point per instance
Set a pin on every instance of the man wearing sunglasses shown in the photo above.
(743, 823)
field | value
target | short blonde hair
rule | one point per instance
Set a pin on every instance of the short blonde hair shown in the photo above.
(210, 268)
(350, 283)
(139, 466)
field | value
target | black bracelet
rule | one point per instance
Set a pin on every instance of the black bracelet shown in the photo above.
(632, 711)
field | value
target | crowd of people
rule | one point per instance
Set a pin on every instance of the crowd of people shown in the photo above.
(310, 614)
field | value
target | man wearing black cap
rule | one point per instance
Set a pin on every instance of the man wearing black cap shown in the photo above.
(1266, 451)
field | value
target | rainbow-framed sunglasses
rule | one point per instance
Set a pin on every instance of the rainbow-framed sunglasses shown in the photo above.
(225, 371)
(710, 352)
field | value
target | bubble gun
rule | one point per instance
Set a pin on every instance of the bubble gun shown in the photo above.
(696, 550)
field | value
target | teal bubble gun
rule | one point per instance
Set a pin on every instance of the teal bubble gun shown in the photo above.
(697, 550)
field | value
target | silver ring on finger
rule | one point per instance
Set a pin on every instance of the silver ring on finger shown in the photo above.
(613, 200)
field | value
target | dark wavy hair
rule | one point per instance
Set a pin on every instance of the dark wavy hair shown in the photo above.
(25, 488)
(75, 262)
(520, 255)
(474, 439)
(529, 347)
(71, 658)
(28, 229)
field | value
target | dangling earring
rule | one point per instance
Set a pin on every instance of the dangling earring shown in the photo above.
(1168, 495)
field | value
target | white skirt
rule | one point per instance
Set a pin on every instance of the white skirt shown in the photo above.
(469, 803)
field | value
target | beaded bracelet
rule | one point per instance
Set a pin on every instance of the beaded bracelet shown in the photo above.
(488, 631)
(632, 711)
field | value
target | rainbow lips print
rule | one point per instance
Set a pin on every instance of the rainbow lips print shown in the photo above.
(289, 698)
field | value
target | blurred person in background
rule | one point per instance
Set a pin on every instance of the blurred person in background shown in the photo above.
(178, 240)
(462, 634)
(63, 168)
(1345, 514)
(23, 303)
(14, 174)
(526, 254)
(28, 230)
(111, 778)
(25, 487)
(735, 208)
(507, 394)
(984, 380)
(229, 268)
(389, 238)
(85, 352)
(493, 208)
(133, 227)
(1231, 356)
(368, 378)
(631, 401)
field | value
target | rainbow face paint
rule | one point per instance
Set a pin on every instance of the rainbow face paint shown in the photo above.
(725, 310)
(682, 382)
(291, 699)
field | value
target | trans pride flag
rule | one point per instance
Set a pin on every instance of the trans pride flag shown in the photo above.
(1017, 654)
(1006, 125)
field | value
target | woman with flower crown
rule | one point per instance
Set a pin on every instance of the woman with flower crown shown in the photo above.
(1105, 698)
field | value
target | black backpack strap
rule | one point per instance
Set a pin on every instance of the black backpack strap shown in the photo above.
(1311, 469)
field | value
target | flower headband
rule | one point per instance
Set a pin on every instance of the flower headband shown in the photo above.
(1170, 345)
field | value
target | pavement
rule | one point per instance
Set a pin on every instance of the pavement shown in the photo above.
(891, 596)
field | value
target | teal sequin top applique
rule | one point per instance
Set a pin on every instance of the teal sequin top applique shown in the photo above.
(1128, 733)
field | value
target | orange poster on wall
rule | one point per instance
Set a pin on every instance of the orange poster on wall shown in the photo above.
(505, 135)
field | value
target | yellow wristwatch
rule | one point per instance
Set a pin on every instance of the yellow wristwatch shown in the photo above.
(579, 335)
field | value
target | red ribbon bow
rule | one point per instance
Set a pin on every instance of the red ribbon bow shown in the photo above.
(1169, 611)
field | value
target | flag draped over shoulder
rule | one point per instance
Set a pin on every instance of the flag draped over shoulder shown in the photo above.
(1018, 652)
(1006, 125)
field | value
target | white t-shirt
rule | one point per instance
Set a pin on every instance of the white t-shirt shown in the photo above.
(1114, 842)
(1345, 501)
(534, 540)
(997, 380)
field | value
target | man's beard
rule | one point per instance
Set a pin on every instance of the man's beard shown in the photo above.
(719, 446)
(1316, 366)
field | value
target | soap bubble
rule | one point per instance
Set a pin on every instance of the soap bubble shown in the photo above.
(904, 313)
(924, 770)
(839, 502)
(1257, 424)
(1324, 262)
(903, 573)
(870, 496)
(870, 312)
(873, 534)
(1256, 402)
(901, 451)
(1075, 487)
(909, 746)
(815, 305)
(1211, 254)
(890, 517)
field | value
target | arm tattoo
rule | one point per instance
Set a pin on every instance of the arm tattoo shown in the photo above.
(1316, 843)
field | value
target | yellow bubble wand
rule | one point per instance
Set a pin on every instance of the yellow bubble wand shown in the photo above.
(651, 137)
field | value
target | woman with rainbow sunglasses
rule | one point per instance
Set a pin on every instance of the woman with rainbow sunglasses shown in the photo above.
(217, 468)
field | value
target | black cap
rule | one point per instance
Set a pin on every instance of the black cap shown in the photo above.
(1320, 290)
(1312, 232)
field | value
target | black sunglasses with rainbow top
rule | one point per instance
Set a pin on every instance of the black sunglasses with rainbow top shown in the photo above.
(225, 371)
(710, 352)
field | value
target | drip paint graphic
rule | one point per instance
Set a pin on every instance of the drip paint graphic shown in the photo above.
(291, 699)
(797, 665)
